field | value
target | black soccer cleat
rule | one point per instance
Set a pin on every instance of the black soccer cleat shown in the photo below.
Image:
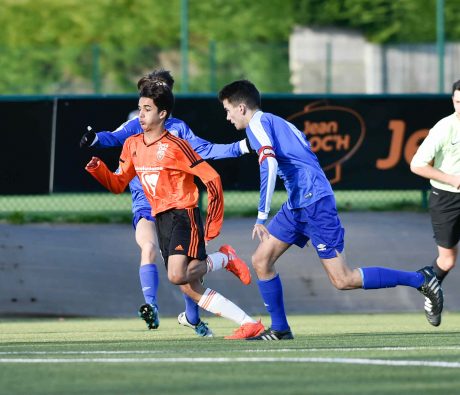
(149, 313)
(433, 319)
(434, 296)
(271, 334)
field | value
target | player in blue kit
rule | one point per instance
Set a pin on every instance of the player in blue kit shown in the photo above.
(309, 213)
(143, 222)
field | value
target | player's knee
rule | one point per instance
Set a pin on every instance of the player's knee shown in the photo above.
(177, 278)
(341, 286)
(258, 263)
(341, 283)
(262, 266)
(149, 252)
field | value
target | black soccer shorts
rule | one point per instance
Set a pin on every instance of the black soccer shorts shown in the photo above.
(181, 232)
(445, 217)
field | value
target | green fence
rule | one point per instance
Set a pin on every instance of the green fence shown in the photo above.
(107, 207)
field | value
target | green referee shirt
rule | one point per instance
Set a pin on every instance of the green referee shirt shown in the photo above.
(443, 146)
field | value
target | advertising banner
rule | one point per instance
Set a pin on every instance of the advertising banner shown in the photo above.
(25, 146)
(362, 142)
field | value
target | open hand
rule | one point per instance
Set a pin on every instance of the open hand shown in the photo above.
(261, 232)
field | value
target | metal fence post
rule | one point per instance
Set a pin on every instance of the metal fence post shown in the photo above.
(440, 43)
(212, 67)
(96, 72)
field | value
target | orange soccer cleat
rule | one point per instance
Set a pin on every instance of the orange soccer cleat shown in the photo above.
(236, 265)
(245, 331)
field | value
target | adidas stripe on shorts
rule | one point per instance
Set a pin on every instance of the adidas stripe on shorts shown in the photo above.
(181, 232)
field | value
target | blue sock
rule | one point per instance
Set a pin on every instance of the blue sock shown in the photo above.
(148, 275)
(191, 310)
(272, 294)
(381, 277)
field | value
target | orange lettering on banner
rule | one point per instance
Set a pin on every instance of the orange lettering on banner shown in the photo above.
(413, 143)
(325, 133)
(315, 128)
(330, 143)
(342, 142)
(398, 128)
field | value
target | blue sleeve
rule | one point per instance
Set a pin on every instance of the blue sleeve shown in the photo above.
(268, 170)
(206, 149)
(261, 142)
(118, 136)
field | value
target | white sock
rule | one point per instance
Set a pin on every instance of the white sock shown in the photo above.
(215, 303)
(216, 260)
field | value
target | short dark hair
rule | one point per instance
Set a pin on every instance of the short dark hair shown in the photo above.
(157, 75)
(241, 91)
(455, 87)
(161, 95)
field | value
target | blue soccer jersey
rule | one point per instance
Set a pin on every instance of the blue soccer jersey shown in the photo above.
(285, 150)
(176, 127)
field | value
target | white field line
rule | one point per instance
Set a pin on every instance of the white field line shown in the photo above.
(352, 361)
(279, 350)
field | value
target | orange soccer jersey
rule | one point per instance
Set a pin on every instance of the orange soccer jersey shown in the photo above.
(166, 169)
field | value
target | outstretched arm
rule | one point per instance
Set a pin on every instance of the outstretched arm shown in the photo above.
(106, 139)
(114, 182)
(208, 150)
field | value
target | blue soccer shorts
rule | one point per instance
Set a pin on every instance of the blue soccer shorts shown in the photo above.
(142, 213)
(319, 222)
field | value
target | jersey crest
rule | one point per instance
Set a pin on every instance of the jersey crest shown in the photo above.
(162, 147)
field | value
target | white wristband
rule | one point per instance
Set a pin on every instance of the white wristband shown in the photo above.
(244, 147)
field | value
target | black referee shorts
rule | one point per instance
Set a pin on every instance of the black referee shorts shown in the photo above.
(181, 232)
(445, 217)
